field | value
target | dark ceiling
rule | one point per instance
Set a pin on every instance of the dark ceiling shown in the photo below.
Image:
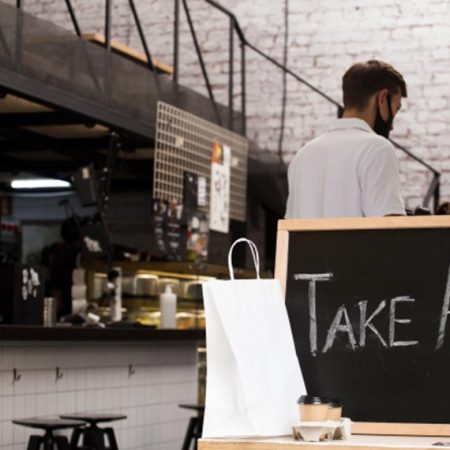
(39, 140)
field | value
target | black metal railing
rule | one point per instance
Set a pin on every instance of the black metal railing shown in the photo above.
(433, 191)
(434, 187)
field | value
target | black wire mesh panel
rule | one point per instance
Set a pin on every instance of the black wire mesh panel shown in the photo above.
(184, 142)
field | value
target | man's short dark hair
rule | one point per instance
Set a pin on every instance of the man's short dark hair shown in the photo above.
(364, 79)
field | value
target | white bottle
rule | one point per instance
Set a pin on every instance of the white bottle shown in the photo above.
(168, 308)
(116, 301)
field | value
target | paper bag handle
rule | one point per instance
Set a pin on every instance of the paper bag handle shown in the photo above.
(255, 255)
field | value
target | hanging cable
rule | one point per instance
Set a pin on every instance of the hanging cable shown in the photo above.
(284, 81)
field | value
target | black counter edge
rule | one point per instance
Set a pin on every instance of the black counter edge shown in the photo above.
(38, 333)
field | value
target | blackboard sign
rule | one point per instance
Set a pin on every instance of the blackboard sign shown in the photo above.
(369, 305)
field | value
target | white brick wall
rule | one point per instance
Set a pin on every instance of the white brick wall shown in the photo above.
(96, 379)
(326, 37)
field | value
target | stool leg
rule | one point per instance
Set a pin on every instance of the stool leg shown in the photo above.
(195, 434)
(200, 425)
(99, 440)
(87, 438)
(48, 440)
(34, 442)
(109, 432)
(198, 430)
(76, 433)
(189, 433)
(93, 438)
(61, 443)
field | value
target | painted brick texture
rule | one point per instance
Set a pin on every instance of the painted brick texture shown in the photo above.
(326, 37)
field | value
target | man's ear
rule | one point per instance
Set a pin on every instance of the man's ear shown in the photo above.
(382, 97)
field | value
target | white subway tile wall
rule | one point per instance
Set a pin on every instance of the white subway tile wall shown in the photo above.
(144, 381)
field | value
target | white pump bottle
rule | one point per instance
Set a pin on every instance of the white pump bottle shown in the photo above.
(168, 308)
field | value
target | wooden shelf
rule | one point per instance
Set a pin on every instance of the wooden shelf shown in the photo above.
(127, 52)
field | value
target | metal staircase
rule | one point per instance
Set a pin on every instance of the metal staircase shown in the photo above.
(64, 95)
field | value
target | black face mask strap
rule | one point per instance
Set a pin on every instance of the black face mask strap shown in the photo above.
(388, 98)
(381, 126)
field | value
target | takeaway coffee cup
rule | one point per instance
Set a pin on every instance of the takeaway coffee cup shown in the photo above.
(313, 409)
(335, 409)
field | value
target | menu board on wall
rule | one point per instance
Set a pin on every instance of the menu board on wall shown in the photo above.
(219, 200)
(169, 232)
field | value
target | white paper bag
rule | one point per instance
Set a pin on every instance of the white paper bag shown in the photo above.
(253, 374)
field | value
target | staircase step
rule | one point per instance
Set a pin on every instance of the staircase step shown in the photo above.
(128, 52)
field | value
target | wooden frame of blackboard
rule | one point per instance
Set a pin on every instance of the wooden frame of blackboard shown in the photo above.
(361, 223)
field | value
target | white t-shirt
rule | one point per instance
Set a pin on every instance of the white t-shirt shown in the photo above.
(349, 171)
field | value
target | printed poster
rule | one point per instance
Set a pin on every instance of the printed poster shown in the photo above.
(219, 199)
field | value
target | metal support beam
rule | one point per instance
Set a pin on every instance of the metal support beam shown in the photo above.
(144, 42)
(243, 91)
(19, 34)
(431, 193)
(176, 44)
(231, 75)
(202, 62)
(108, 24)
(86, 54)
(73, 17)
(105, 186)
(33, 119)
(108, 73)
(437, 195)
(107, 171)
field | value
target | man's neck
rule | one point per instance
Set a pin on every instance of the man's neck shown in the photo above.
(365, 115)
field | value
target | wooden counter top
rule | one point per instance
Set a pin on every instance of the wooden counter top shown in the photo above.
(76, 333)
(363, 442)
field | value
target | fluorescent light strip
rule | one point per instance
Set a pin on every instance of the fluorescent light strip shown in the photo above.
(40, 183)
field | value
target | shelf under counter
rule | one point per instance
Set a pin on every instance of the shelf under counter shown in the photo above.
(77, 333)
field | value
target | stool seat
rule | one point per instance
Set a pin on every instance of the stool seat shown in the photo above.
(199, 408)
(48, 424)
(195, 426)
(49, 441)
(93, 418)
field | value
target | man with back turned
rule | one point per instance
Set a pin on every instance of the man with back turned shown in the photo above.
(351, 170)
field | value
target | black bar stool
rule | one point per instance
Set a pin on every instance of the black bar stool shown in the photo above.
(93, 436)
(195, 426)
(49, 441)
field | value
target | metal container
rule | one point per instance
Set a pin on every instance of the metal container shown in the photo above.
(99, 286)
(128, 285)
(185, 320)
(172, 282)
(49, 319)
(141, 285)
(191, 290)
(146, 285)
